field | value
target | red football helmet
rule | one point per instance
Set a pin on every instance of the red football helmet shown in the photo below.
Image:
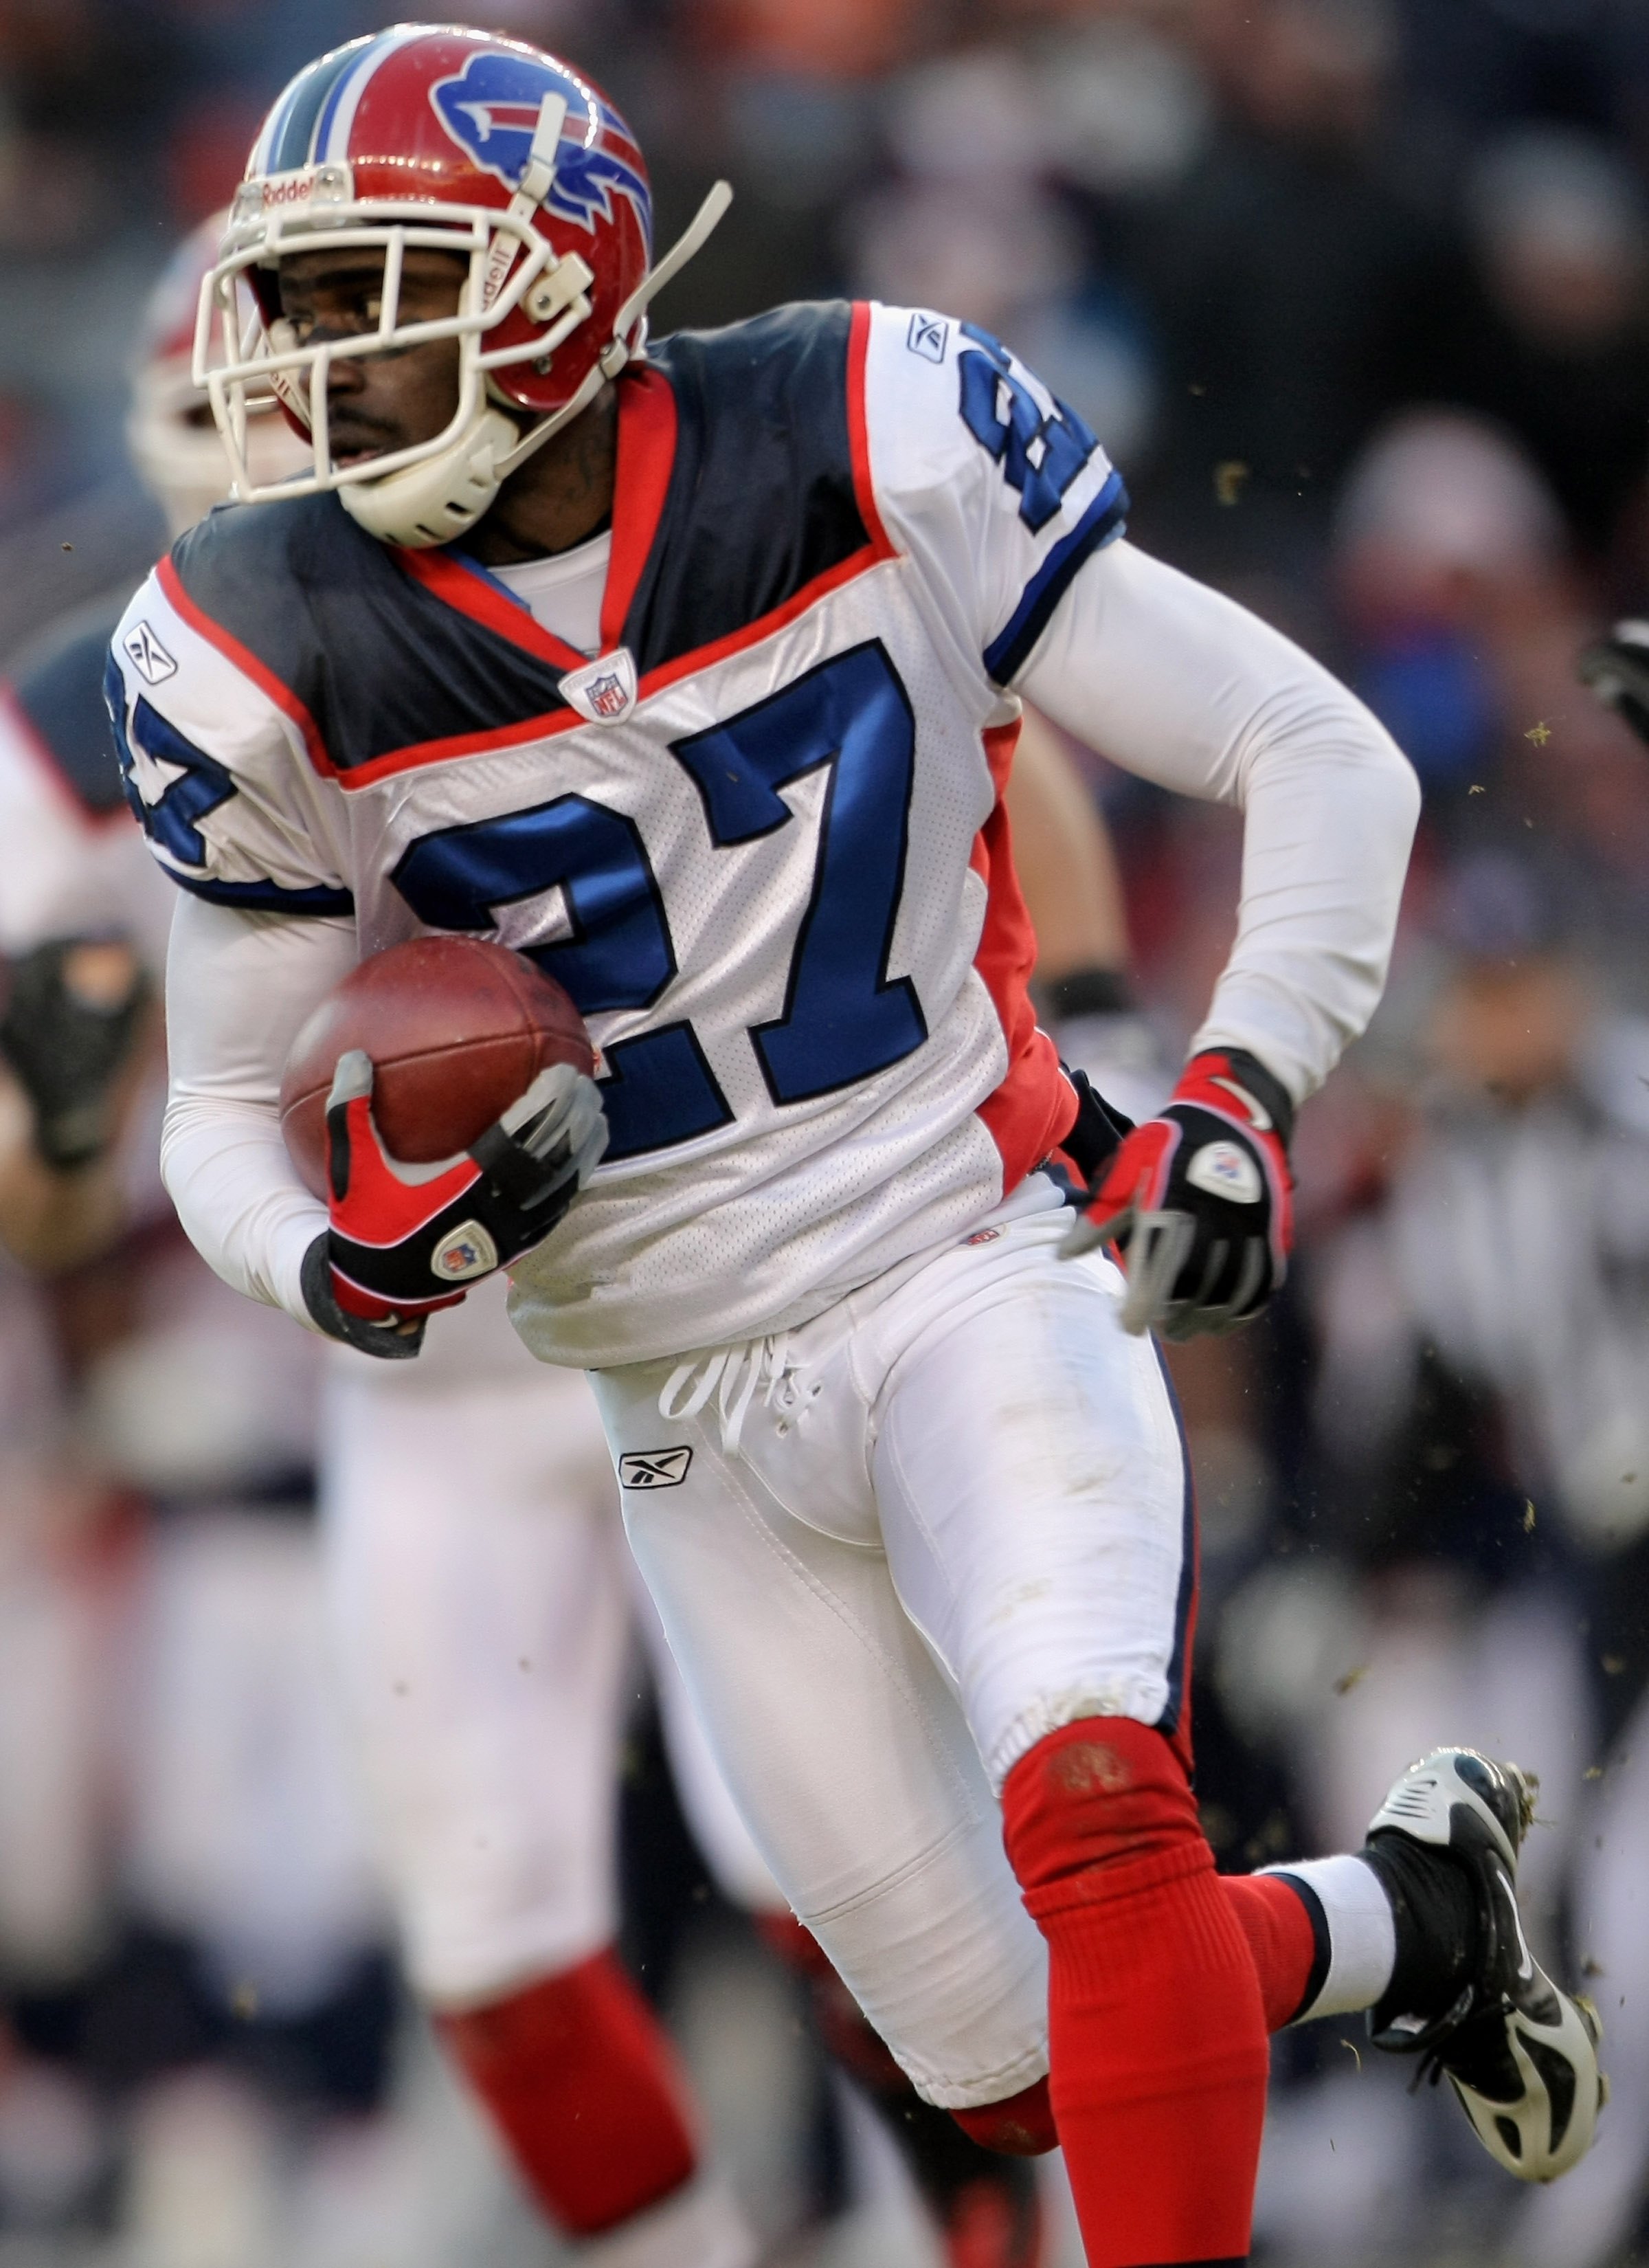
(460, 141)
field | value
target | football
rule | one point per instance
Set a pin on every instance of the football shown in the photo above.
(456, 1028)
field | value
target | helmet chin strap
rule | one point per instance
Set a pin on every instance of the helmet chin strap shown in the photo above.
(437, 501)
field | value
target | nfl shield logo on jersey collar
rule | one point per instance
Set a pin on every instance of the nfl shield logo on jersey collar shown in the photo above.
(604, 690)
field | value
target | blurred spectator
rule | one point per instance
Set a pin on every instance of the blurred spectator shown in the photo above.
(1297, 295)
(1554, 340)
(1124, 109)
(1514, 1249)
(814, 39)
(1463, 611)
(87, 88)
(1471, 66)
(1447, 549)
(971, 227)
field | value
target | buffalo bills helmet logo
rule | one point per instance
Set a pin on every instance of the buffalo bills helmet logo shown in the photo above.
(490, 110)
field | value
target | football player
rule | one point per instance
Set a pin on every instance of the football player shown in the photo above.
(695, 671)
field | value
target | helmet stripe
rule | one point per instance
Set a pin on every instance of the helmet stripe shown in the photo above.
(259, 161)
(292, 131)
(332, 134)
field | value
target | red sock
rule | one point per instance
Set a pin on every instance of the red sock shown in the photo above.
(583, 2087)
(1156, 2031)
(1283, 1939)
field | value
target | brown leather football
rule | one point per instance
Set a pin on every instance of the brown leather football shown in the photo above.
(456, 1029)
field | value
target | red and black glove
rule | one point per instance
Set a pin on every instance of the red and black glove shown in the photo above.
(1200, 1200)
(406, 1240)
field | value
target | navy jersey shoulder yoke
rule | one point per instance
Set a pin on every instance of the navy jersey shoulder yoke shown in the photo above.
(380, 662)
(762, 497)
(760, 501)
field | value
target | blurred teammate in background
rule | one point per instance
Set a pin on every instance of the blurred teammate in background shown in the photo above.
(228, 2019)
(80, 927)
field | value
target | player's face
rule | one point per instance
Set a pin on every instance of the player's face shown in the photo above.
(380, 402)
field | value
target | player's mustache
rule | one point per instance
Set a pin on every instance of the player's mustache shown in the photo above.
(354, 430)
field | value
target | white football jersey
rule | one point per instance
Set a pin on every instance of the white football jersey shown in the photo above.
(759, 839)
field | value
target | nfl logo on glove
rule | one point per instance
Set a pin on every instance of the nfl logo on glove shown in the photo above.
(467, 1252)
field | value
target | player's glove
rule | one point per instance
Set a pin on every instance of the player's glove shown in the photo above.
(1617, 668)
(406, 1240)
(1199, 1198)
(73, 1015)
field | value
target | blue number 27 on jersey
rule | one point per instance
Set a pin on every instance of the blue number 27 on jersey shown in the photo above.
(844, 1018)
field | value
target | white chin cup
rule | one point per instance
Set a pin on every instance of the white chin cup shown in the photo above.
(435, 502)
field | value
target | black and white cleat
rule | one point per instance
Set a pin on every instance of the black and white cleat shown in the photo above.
(1520, 2055)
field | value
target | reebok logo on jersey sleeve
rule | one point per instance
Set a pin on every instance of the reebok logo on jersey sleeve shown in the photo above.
(148, 657)
(928, 337)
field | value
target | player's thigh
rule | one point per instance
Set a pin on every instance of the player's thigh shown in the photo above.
(1034, 1497)
(714, 1820)
(479, 1614)
(844, 1753)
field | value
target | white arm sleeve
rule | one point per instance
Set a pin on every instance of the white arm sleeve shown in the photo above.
(1182, 686)
(239, 985)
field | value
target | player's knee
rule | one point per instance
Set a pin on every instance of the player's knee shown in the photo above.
(1102, 1794)
(1020, 2126)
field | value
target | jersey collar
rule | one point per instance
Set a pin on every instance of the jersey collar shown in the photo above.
(646, 451)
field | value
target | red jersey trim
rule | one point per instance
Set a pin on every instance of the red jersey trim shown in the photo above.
(529, 729)
(880, 545)
(858, 432)
(646, 451)
(468, 590)
(247, 663)
(647, 457)
(1034, 1109)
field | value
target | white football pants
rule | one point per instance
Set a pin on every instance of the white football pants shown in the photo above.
(892, 1551)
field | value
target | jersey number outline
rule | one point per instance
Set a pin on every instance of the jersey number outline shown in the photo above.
(1040, 455)
(168, 782)
(844, 1019)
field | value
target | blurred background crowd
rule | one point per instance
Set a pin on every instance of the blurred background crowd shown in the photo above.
(1357, 294)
